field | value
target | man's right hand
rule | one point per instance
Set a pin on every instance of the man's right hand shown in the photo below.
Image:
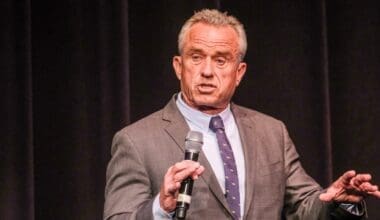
(172, 182)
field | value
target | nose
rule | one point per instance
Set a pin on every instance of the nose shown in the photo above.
(207, 70)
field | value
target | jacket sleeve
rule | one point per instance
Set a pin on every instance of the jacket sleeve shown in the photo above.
(128, 192)
(302, 192)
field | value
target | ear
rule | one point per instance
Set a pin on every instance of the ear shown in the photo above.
(177, 66)
(240, 72)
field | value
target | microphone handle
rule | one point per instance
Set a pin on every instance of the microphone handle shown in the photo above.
(184, 196)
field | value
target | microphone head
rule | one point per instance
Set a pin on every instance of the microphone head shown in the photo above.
(194, 141)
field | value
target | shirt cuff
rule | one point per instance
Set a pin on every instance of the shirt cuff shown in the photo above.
(354, 209)
(158, 212)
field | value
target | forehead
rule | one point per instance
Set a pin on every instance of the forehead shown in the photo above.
(210, 37)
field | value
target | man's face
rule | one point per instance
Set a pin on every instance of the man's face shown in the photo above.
(209, 68)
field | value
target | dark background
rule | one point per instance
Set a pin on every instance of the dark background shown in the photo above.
(74, 72)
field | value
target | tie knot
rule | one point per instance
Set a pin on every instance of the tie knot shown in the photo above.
(216, 123)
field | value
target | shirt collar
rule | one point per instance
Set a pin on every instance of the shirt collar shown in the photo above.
(199, 119)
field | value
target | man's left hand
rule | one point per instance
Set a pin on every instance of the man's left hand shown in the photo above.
(350, 188)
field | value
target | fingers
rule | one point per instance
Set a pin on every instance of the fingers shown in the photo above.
(361, 178)
(172, 182)
(184, 169)
(347, 176)
(198, 172)
(178, 172)
(361, 183)
(351, 187)
(375, 194)
(338, 188)
(368, 187)
(358, 186)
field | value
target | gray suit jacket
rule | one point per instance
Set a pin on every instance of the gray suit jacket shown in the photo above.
(276, 184)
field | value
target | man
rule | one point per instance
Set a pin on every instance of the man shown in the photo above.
(248, 168)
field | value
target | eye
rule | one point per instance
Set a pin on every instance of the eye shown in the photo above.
(220, 61)
(196, 58)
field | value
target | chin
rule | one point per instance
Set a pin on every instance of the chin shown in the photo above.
(206, 102)
(209, 100)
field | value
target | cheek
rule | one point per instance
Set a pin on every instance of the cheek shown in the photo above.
(228, 80)
(230, 85)
(187, 81)
(191, 76)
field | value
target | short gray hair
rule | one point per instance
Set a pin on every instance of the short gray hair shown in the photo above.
(217, 18)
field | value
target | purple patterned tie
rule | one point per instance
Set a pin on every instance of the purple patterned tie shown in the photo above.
(230, 171)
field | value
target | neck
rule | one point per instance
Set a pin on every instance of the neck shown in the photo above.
(207, 109)
(210, 110)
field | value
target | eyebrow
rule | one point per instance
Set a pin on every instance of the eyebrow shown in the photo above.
(195, 50)
(217, 54)
(224, 54)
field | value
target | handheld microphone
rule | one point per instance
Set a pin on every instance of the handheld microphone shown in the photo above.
(193, 145)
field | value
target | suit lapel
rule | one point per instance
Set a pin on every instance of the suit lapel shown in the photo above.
(177, 129)
(249, 142)
(210, 179)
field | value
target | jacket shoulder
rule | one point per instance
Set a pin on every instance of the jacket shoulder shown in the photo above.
(255, 116)
(146, 124)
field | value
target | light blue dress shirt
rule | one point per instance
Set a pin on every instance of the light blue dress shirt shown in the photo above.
(199, 121)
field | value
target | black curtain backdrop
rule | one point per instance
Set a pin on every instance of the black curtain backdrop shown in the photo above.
(74, 72)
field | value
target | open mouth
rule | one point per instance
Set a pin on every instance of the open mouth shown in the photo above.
(206, 87)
